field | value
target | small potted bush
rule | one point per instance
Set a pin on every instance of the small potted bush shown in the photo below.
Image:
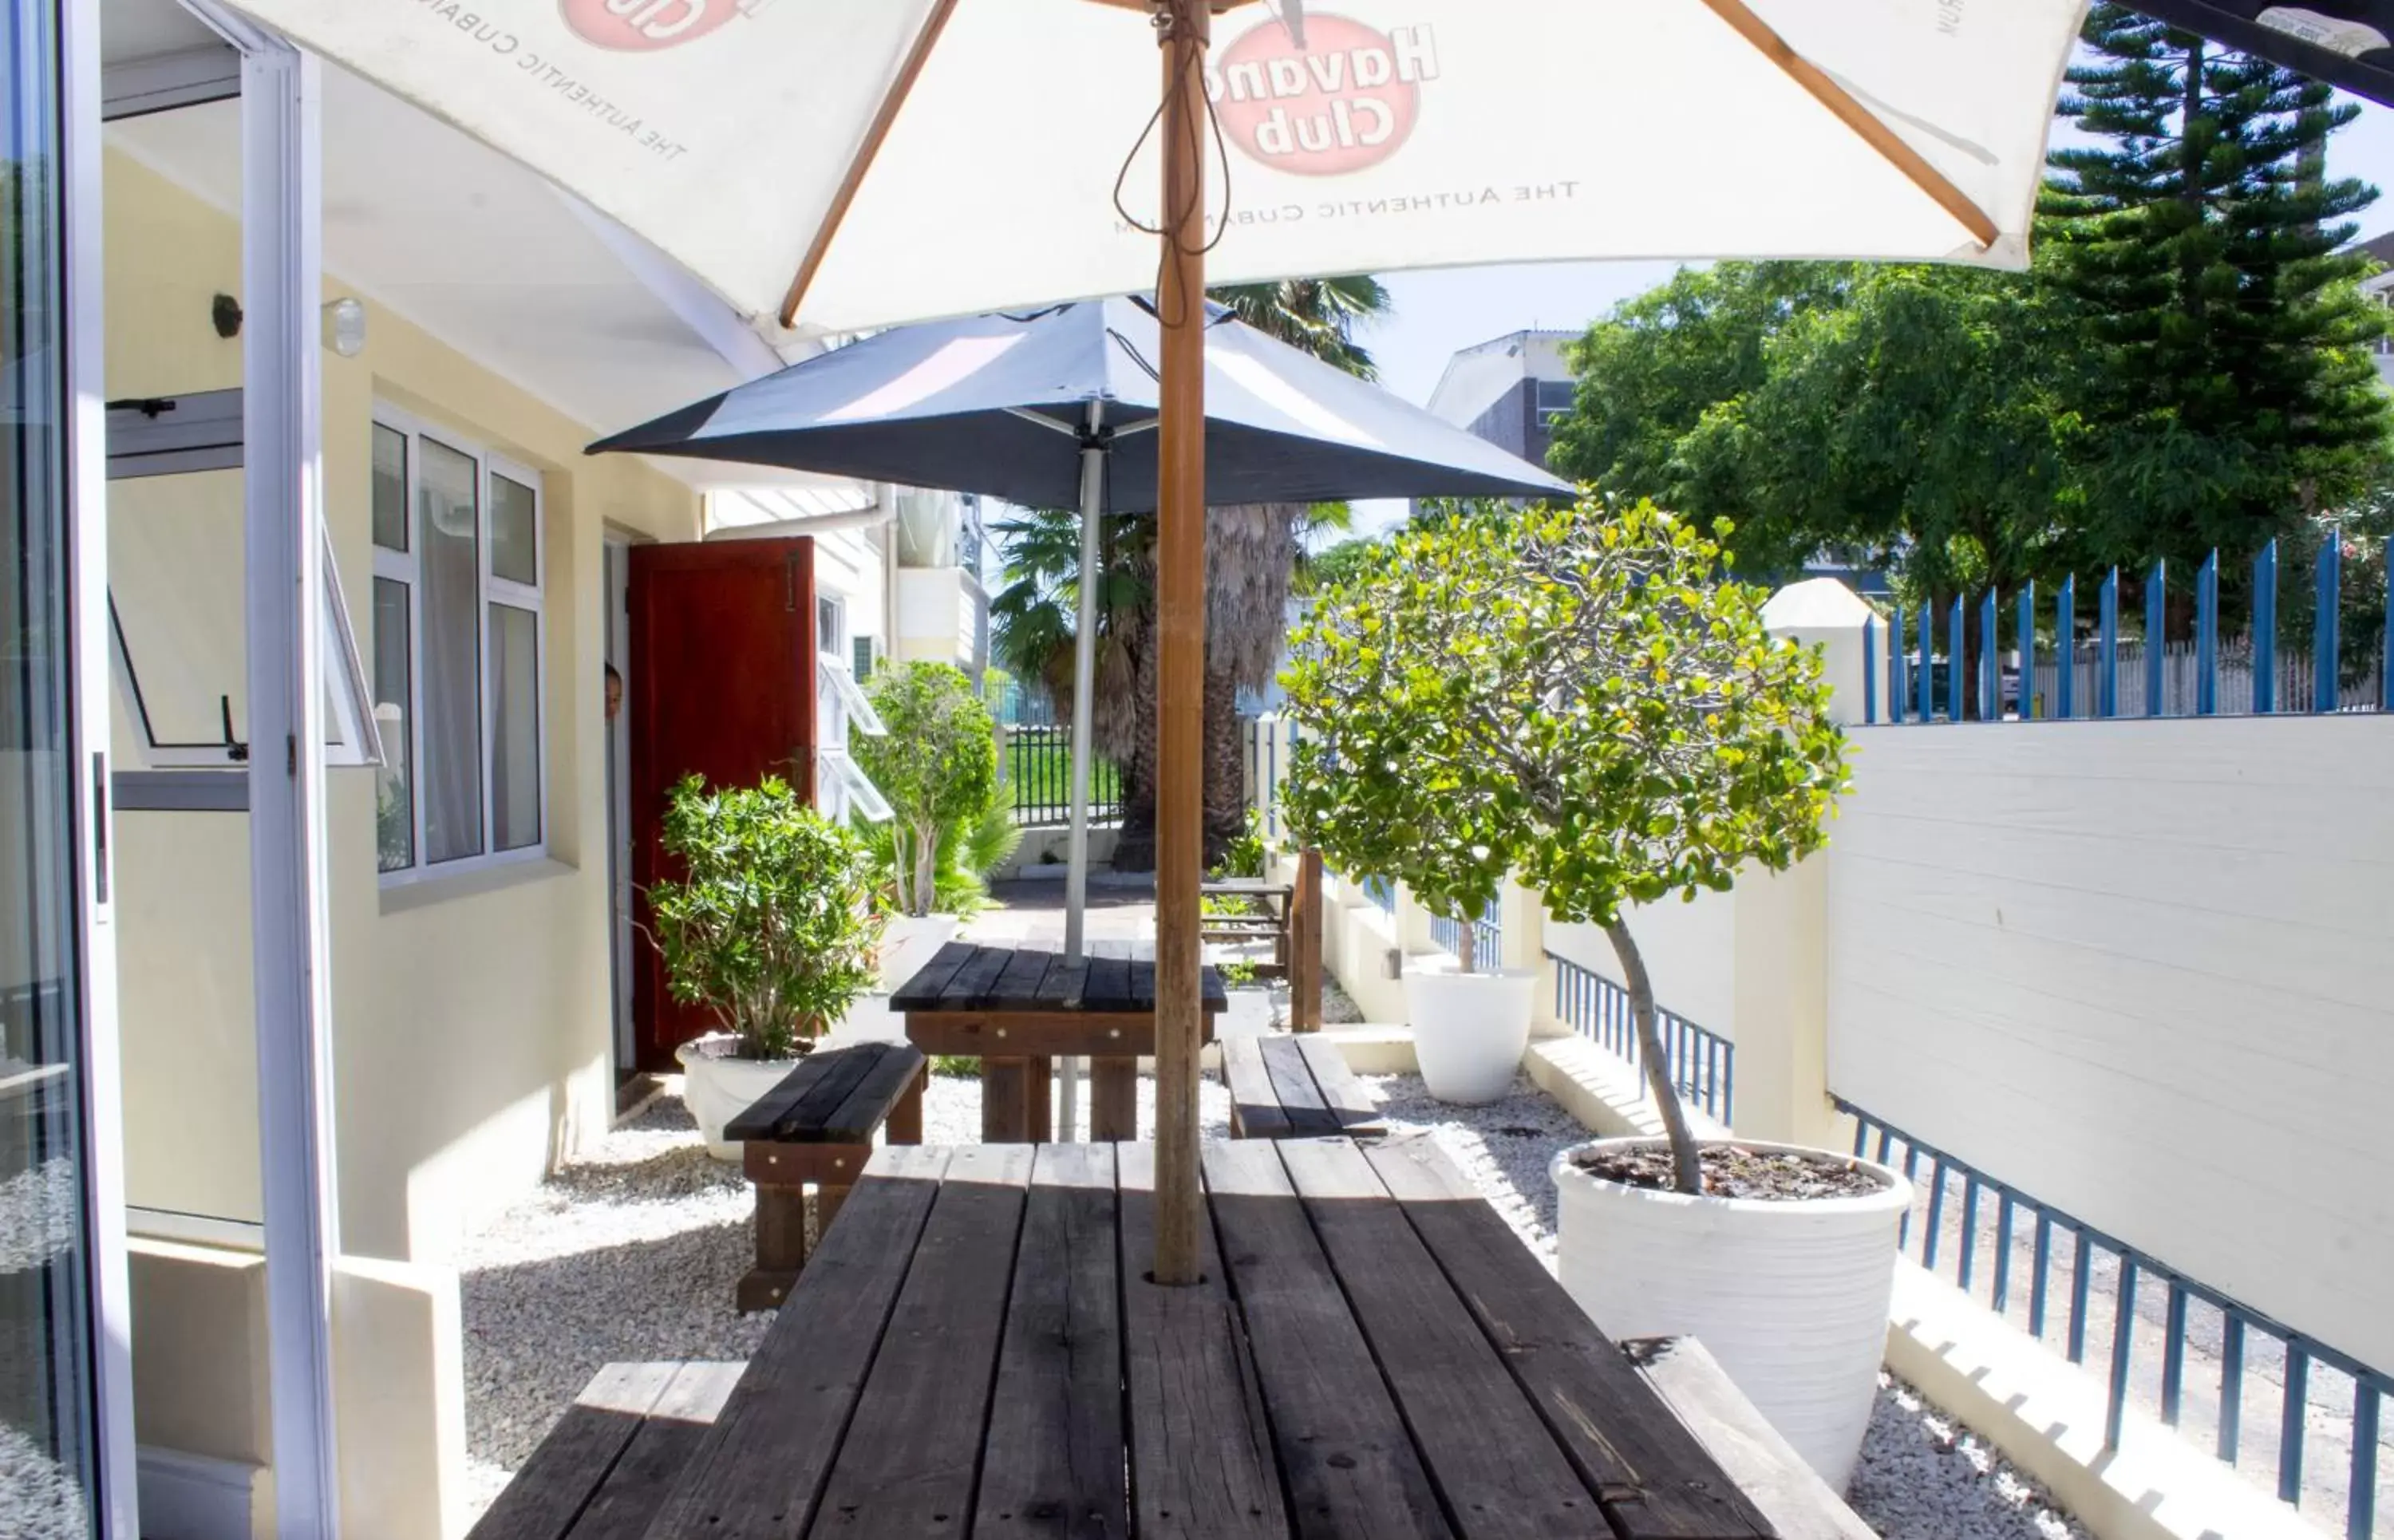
(1582, 695)
(1387, 687)
(937, 765)
(773, 927)
(1672, 746)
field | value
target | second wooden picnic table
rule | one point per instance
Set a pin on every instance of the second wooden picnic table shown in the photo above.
(1019, 1008)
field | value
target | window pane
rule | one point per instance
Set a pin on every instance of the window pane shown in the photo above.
(175, 587)
(515, 531)
(46, 1333)
(389, 488)
(394, 712)
(515, 717)
(448, 539)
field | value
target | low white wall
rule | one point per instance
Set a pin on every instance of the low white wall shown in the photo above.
(2144, 971)
(1687, 947)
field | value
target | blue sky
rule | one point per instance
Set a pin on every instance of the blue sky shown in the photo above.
(1436, 313)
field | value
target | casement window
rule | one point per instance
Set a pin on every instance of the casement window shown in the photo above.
(458, 650)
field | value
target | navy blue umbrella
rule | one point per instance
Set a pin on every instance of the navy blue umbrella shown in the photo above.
(1056, 408)
(999, 404)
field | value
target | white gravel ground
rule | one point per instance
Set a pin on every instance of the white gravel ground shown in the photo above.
(38, 1499)
(633, 1255)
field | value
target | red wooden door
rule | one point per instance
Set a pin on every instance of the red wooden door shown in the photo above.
(722, 685)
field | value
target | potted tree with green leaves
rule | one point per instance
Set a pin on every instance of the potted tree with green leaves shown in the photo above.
(1388, 683)
(773, 927)
(1583, 696)
(937, 766)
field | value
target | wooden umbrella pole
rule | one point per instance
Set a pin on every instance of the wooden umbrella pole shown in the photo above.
(1180, 629)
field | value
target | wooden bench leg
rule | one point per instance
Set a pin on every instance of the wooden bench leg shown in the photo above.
(828, 1199)
(1113, 1097)
(780, 1247)
(1005, 1104)
(906, 1125)
(1039, 1090)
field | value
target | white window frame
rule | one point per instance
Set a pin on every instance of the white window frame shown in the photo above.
(406, 566)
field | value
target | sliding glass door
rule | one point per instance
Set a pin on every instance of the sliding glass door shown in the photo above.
(49, 1441)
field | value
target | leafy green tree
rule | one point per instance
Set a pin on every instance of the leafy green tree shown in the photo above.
(1336, 563)
(773, 925)
(2227, 385)
(1919, 423)
(938, 767)
(1574, 695)
(1649, 371)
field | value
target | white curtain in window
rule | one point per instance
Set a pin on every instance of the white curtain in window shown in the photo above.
(515, 718)
(449, 546)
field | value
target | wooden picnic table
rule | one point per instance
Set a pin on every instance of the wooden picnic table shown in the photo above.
(975, 1351)
(1019, 1008)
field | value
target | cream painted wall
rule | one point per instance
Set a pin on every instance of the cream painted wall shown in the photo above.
(1686, 947)
(470, 1016)
(2143, 971)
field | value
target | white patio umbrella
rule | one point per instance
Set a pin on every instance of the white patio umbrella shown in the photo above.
(831, 167)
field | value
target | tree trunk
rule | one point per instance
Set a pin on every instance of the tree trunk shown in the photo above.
(927, 868)
(1687, 1167)
(1226, 792)
(1135, 843)
(1466, 956)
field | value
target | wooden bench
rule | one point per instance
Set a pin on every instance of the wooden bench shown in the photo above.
(1774, 1477)
(818, 1126)
(1299, 1086)
(606, 1467)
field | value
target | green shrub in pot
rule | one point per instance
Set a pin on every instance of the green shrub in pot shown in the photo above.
(774, 923)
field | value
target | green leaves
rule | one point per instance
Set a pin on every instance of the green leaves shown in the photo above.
(938, 767)
(774, 926)
(1569, 694)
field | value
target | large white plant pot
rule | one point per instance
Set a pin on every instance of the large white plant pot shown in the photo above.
(1791, 1298)
(910, 941)
(718, 1087)
(1469, 1031)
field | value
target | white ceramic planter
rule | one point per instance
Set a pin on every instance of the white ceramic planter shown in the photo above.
(1791, 1298)
(718, 1087)
(910, 941)
(1469, 1029)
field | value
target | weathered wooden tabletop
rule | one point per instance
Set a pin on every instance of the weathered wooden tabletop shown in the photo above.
(975, 1352)
(1018, 1009)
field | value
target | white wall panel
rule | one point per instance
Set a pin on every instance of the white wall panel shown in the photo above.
(2143, 971)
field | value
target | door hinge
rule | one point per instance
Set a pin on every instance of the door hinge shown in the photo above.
(790, 582)
(291, 754)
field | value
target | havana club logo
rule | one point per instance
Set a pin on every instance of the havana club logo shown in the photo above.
(644, 26)
(1327, 98)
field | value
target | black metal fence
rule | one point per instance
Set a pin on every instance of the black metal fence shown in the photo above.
(1039, 775)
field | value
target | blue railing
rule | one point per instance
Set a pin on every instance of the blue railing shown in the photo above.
(1489, 942)
(2109, 675)
(1380, 891)
(2100, 1276)
(1703, 1065)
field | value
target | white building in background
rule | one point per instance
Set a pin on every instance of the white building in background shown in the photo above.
(2379, 286)
(897, 569)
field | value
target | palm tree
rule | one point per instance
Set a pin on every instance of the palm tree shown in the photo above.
(1253, 552)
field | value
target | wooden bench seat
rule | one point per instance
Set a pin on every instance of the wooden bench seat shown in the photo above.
(817, 1127)
(605, 1469)
(1774, 1477)
(1284, 1087)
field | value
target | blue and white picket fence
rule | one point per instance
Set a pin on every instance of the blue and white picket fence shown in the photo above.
(2093, 1291)
(1907, 679)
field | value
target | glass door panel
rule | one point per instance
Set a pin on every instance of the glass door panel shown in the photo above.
(47, 1409)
